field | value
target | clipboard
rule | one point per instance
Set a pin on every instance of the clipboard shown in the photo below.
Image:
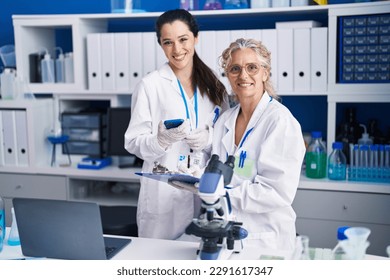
(180, 181)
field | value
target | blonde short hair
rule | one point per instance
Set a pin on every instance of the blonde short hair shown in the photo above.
(261, 51)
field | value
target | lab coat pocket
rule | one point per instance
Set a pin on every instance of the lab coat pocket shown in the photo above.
(244, 166)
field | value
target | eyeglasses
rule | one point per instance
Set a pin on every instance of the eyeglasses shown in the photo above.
(251, 68)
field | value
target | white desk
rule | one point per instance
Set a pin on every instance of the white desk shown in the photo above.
(158, 249)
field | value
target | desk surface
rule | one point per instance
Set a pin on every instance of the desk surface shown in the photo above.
(158, 249)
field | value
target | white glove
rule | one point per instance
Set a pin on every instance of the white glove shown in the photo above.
(198, 139)
(167, 137)
(194, 170)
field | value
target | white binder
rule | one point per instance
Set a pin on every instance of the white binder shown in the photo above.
(1, 140)
(21, 137)
(207, 46)
(9, 137)
(222, 42)
(94, 61)
(285, 60)
(122, 61)
(270, 41)
(253, 34)
(319, 59)
(149, 43)
(301, 59)
(237, 34)
(136, 67)
(161, 59)
(108, 61)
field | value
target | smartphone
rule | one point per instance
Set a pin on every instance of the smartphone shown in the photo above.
(173, 123)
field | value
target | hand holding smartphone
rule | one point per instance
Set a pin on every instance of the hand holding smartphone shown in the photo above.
(173, 123)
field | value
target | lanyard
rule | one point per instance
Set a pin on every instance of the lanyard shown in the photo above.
(186, 105)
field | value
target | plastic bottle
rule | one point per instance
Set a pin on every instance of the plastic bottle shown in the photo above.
(2, 219)
(7, 82)
(47, 68)
(338, 251)
(13, 238)
(316, 157)
(337, 163)
(365, 139)
(60, 67)
(69, 72)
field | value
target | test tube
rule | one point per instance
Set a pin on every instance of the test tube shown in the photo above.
(364, 159)
(357, 160)
(387, 156)
(351, 162)
(374, 160)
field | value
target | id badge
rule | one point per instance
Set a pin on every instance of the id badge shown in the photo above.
(244, 167)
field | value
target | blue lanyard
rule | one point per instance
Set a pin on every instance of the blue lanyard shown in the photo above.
(243, 153)
(186, 105)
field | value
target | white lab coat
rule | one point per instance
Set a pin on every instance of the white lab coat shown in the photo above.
(163, 211)
(262, 198)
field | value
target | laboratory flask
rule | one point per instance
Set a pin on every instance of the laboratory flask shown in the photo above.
(337, 163)
(316, 157)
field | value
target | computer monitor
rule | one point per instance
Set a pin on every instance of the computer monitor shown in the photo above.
(117, 122)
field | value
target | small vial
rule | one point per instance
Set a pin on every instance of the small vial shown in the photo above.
(13, 238)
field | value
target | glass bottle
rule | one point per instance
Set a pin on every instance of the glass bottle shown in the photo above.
(337, 163)
(2, 219)
(212, 5)
(305, 254)
(13, 238)
(316, 157)
(348, 131)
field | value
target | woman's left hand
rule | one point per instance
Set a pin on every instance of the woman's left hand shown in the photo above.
(198, 139)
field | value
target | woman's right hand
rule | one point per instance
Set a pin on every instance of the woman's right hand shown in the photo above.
(167, 137)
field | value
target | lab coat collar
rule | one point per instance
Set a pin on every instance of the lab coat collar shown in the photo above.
(230, 124)
(166, 72)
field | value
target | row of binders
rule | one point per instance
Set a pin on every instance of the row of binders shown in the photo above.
(118, 61)
(13, 138)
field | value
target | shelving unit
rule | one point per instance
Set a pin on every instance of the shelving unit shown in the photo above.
(33, 32)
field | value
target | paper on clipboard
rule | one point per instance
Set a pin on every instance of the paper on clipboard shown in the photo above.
(180, 181)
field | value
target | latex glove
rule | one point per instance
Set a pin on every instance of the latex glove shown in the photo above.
(198, 139)
(194, 170)
(167, 137)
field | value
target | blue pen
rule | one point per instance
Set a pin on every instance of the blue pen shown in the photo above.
(216, 116)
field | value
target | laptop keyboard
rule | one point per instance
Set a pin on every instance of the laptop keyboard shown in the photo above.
(109, 251)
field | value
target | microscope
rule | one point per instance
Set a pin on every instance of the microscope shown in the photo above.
(220, 234)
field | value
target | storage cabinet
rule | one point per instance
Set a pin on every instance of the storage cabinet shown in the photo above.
(32, 186)
(321, 212)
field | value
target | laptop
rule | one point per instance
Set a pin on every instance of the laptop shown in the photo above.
(61, 229)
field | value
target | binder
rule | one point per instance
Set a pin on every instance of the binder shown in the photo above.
(21, 137)
(108, 61)
(94, 61)
(136, 67)
(122, 61)
(207, 49)
(319, 59)
(161, 59)
(149, 44)
(1, 140)
(236, 34)
(285, 59)
(222, 42)
(270, 41)
(9, 137)
(253, 34)
(301, 59)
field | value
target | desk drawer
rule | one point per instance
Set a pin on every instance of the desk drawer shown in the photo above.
(33, 186)
(343, 206)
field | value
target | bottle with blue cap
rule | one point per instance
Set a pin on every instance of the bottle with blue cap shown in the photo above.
(316, 157)
(337, 163)
(338, 251)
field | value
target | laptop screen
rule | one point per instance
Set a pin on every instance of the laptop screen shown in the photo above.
(62, 229)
